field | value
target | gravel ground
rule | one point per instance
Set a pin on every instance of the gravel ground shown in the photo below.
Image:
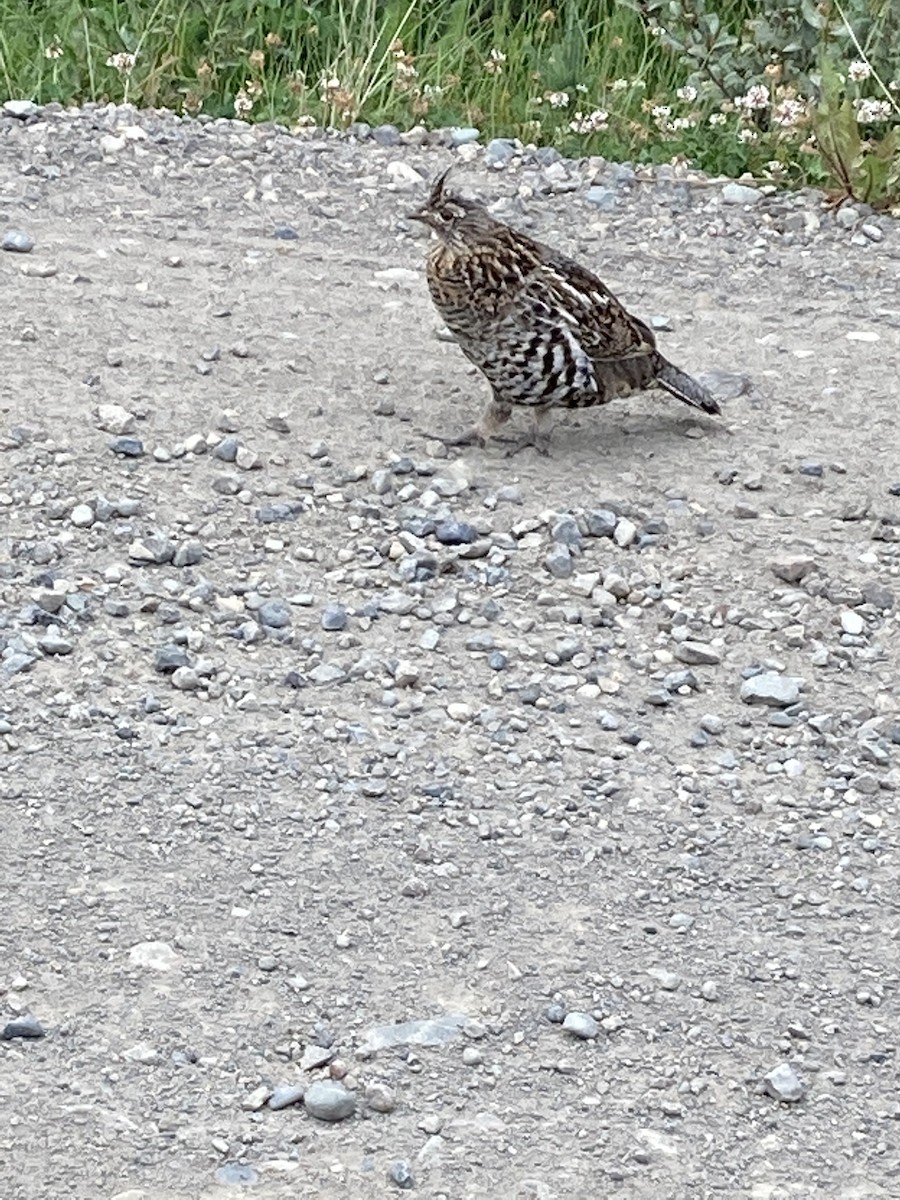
(587, 766)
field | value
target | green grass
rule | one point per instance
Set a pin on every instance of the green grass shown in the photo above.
(509, 67)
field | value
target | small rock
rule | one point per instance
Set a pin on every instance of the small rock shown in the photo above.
(581, 1025)
(26, 1027)
(772, 689)
(601, 522)
(128, 447)
(286, 1095)
(153, 956)
(791, 568)
(329, 1101)
(274, 614)
(697, 654)
(852, 623)
(559, 561)
(455, 533)
(17, 242)
(401, 1175)
(82, 516)
(782, 1083)
(334, 617)
(462, 135)
(113, 418)
(23, 109)
(626, 532)
(667, 980)
(603, 198)
(739, 193)
(499, 151)
(380, 1098)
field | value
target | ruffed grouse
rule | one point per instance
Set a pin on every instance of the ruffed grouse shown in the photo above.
(544, 331)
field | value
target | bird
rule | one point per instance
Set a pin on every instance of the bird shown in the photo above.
(544, 331)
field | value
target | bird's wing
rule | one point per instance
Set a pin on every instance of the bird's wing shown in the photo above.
(603, 327)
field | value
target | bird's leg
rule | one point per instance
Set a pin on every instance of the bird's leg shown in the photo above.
(495, 415)
(537, 436)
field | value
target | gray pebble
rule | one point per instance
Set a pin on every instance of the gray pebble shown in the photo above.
(168, 659)
(581, 1025)
(188, 554)
(286, 1095)
(328, 1100)
(380, 1098)
(626, 532)
(128, 447)
(601, 522)
(499, 151)
(285, 233)
(455, 533)
(82, 516)
(227, 449)
(401, 1175)
(772, 689)
(697, 654)
(739, 193)
(782, 1083)
(274, 614)
(334, 617)
(461, 135)
(566, 531)
(22, 1027)
(54, 643)
(268, 514)
(386, 135)
(559, 562)
(603, 198)
(17, 242)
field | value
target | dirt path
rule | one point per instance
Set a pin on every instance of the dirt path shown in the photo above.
(514, 781)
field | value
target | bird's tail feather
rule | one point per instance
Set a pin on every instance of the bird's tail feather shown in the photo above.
(681, 385)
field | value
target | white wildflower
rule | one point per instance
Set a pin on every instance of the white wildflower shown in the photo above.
(683, 123)
(123, 62)
(689, 94)
(243, 104)
(593, 122)
(619, 85)
(756, 97)
(54, 50)
(859, 71)
(871, 112)
(789, 112)
(659, 112)
(747, 135)
(557, 99)
(495, 61)
(717, 118)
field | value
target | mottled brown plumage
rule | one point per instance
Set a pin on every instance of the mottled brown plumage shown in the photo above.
(543, 330)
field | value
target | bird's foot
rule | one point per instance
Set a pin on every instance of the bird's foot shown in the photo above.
(537, 439)
(471, 437)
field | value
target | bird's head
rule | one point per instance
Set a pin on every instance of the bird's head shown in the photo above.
(450, 215)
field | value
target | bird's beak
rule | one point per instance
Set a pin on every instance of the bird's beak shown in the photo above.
(420, 215)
